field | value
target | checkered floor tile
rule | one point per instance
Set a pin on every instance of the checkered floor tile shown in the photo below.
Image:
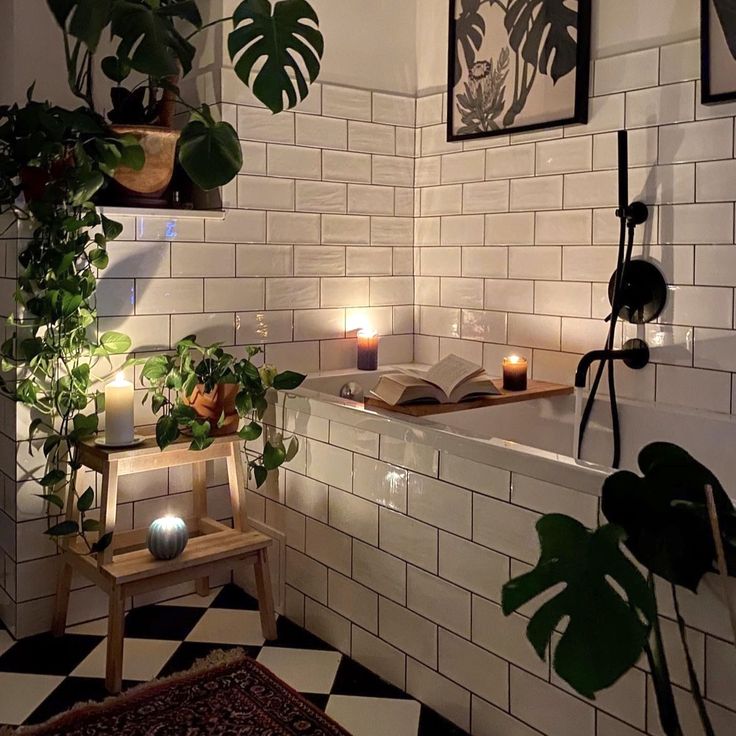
(43, 676)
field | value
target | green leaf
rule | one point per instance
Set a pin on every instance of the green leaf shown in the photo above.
(85, 425)
(70, 303)
(91, 525)
(293, 449)
(664, 514)
(156, 368)
(64, 529)
(167, 431)
(273, 457)
(115, 343)
(288, 380)
(99, 258)
(243, 403)
(85, 501)
(87, 185)
(282, 39)
(102, 543)
(260, 474)
(250, 432)
(110, 228)
(133, 156)
(53, 478)
(53, 499)
(210, 153)
(116, 69)
(88, 21)
(607, 627)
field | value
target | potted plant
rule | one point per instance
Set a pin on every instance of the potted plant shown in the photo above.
(152, 42)
(674, 520)
(205, 392)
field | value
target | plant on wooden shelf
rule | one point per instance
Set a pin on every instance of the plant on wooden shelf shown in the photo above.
(205, 392)
(58, 160)
(152, 46)
(675, 521)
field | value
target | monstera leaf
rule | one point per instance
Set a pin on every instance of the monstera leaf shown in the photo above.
(280, 37)
(82, 19)
(665, 517)
(540, 29)
(469, 31)
(607, 627)
(726, 11)
(149, 41)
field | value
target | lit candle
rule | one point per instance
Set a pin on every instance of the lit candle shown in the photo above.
(367, 350)
(119, 423)
(167, 537)
(514, 373)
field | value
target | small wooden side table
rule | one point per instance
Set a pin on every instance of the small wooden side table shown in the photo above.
(126, 568)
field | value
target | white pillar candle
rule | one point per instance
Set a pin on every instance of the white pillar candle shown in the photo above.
(119, 422)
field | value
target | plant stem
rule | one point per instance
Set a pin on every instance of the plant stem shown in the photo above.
(666, 706)
(208, 25)
(692, 675)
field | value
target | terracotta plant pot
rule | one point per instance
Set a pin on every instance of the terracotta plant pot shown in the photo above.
(146, 187)
(210, 406)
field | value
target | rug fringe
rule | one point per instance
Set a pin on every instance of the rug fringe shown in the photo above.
(217, 658)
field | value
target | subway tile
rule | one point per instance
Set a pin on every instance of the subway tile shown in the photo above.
(627, 72)
(716, 181)
(485, 262)
(262, 327)
(483, 325)
(538, 262)
(696, 223)
(510, 229)
(510, 162)
(582, 335)
(391, 290)
(487, 720)
(394, 109)
(694, 388)
(353, 601)
(701, 141)
(714, 349)
(346, 167)
(374, 261)
(258, 124)
(461, 292)
(442, 695)
(534, 331)
(426, 290)
(491, 196)
(562, 298)
(294, 162)
(114, 297)
(284, 293)
(345, 292)
(506, 529)
(379, 571)
(596, 189)
(564, 156)
(254, 158)
(327, 625)
(233, 295)
(320, 132)
(420, 458)
(318, 196)
(319, 324)
(379, 657)
(721, 669)
(673, 103)
(393, 171)
(208, 328)
(408, 632)
(541, 193)
(462, 230)
(293, 227)
(371, 138)
(441, 261)
(506, 295)
(354, 515)
(471, 566)
(301, 356)
(679, 62)
(392, 230)
(306, 575)
(192, 259)
(429, 110)
(715, 265)
(463, 167)
(479, 671)
(239, 226)
(700, 306)
(329, 546)
(380, 482)
(434, 140)
(331, 465)
(168, 296)
(408, 539)
(439, 601)
(545, 497)
(440, 504)
(264, 260)
(427, 171)
(643, 148)
(606, 113)
(367, 199)
(308, 496)
(564, 228)
(131, 260)
(440, 321)
(345, 229)
(346, 102)
(445, 200)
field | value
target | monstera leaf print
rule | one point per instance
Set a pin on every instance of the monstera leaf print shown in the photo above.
(470, 30)
(540, 30)
(726, 10)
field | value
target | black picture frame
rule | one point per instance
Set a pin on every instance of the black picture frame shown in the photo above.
(707, 96)
(582, 80)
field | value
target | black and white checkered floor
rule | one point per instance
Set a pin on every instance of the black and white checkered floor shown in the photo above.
(43, 676)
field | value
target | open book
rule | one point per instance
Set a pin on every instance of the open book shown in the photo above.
(452, 380)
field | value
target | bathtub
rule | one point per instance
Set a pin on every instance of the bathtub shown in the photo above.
(542, 430)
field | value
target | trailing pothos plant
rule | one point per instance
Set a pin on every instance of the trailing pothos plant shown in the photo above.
(152, 44)
(203, 391)
(660, 519)
(58, 159)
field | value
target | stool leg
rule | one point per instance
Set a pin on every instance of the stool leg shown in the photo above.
(115, 633)
(265, 596)
(61, 604)
(199, 489)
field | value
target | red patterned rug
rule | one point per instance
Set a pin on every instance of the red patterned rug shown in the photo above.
(227, 694)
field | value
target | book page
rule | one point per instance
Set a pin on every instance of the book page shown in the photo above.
(450, 372)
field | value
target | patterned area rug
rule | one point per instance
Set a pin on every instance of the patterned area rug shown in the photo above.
(226, 694)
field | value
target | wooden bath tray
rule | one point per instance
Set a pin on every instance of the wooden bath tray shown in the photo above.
(535, 390)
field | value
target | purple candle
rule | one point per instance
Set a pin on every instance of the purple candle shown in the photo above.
(367, 350)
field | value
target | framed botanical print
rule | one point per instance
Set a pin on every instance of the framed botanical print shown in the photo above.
(517, 65)
(718, 50)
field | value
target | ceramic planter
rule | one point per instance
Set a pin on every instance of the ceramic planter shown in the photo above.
(147, 186)
(211, 406)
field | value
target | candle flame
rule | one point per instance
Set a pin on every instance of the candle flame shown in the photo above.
(367, 332)
(513, 359)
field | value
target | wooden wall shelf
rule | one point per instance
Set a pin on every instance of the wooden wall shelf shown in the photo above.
(535, 390)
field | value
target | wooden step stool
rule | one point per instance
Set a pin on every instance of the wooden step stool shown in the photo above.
(127, 568)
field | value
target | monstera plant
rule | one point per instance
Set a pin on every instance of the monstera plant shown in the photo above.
(542, 36)
(660, 519)
(276, 49)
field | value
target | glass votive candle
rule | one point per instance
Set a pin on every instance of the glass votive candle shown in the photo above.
(167, 537)
(367, 351)
(515, 373)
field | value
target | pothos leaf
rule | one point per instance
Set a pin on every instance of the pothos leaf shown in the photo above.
(63, 529)
(85, 501)
(273, 456)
